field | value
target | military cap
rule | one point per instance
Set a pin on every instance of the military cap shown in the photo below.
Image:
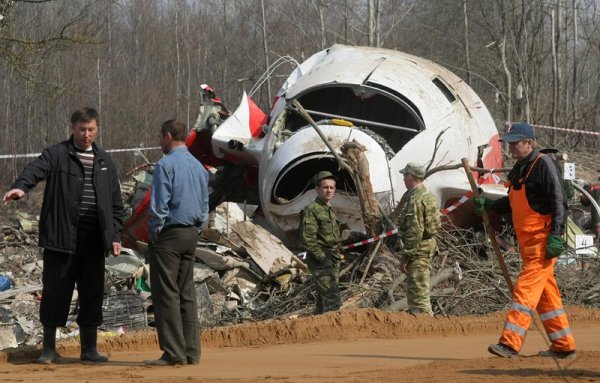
(415, 169)
(519, 131)
(322, 175)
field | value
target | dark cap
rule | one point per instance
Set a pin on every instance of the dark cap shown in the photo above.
(519, 131)
(415, 169)
(323, 175)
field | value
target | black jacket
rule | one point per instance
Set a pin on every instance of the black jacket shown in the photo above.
(544, 190)
(63, 172)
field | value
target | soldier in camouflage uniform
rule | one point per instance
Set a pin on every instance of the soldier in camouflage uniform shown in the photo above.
(320, 236)
(418, 224)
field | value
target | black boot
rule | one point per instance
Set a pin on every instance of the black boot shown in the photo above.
(48, 347)
(89, 352)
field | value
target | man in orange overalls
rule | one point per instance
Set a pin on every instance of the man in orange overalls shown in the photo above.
(538, 206)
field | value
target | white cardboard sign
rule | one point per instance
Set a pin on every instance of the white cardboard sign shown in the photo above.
(584, 244)
(569, 173)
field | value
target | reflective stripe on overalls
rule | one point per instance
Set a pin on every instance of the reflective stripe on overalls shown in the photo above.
(536, 286)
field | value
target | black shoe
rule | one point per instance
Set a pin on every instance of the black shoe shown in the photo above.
(47, 357)
(49, 354)
(93, 356)
(503, 351)
(89, 351)
(558, 354)
(163, 362)
(193, 361)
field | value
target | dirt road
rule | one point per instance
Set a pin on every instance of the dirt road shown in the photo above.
(353, 346)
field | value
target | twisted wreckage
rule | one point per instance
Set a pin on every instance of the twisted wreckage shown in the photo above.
(361, 113)
(394, 106)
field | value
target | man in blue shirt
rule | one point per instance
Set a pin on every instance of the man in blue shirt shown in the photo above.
(178, 208)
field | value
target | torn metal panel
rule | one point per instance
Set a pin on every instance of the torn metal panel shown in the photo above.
(215, 260)
(227, 213)
(128, 264)
(204, 303)
(203, 272)
(235, 136)
(19, 290)
(28, 223)
(263, 247)
(7, 336)
(215, 286)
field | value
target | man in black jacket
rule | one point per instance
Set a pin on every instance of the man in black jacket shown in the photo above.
(81, 220)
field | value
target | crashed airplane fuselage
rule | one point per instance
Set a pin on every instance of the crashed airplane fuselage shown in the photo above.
(398, 105)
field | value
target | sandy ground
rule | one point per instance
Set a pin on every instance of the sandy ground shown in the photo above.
(351, 346)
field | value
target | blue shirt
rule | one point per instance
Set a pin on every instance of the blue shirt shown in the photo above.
(179, 192)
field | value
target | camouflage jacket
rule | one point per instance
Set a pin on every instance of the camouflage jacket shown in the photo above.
(419, 222)
(319, 231)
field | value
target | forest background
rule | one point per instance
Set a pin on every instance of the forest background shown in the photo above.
(140, 62)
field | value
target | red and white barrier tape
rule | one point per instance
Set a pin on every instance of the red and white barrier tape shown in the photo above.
(456, 204)
(443, 211)
(132, 149)
(371, 240)
(30, 155)
(508, 123)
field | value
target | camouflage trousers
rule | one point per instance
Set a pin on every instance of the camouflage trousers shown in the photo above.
(326, 277)
(417, 285)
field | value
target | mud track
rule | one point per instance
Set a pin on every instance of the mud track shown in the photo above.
(346, 346)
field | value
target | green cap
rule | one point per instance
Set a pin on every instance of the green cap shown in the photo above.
(415, 169)
(322, 175)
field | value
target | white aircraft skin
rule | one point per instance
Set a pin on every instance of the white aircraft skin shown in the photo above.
(400, 99)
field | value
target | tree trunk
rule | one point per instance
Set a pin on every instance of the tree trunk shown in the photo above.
(467, 59)
(99, 80)
(507, 79)
(574, 92)
(355, 154)
(371, 23)
(266, 51)
(320, 7)
(555, 75)
(178, 64)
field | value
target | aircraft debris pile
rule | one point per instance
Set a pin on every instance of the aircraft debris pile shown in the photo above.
(21, 264)
(21, 274)
(243, 273)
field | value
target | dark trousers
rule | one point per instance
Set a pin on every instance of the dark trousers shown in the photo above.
(61, 271)
(172, 258)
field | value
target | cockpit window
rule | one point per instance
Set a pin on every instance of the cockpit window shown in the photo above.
(449, 95)
(376, 109)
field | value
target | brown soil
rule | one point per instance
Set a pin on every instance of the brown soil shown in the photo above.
(346, 346)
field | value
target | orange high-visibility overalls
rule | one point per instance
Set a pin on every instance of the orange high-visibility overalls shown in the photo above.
(536, 287)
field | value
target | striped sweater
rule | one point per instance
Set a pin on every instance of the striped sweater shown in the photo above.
(88, 213)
